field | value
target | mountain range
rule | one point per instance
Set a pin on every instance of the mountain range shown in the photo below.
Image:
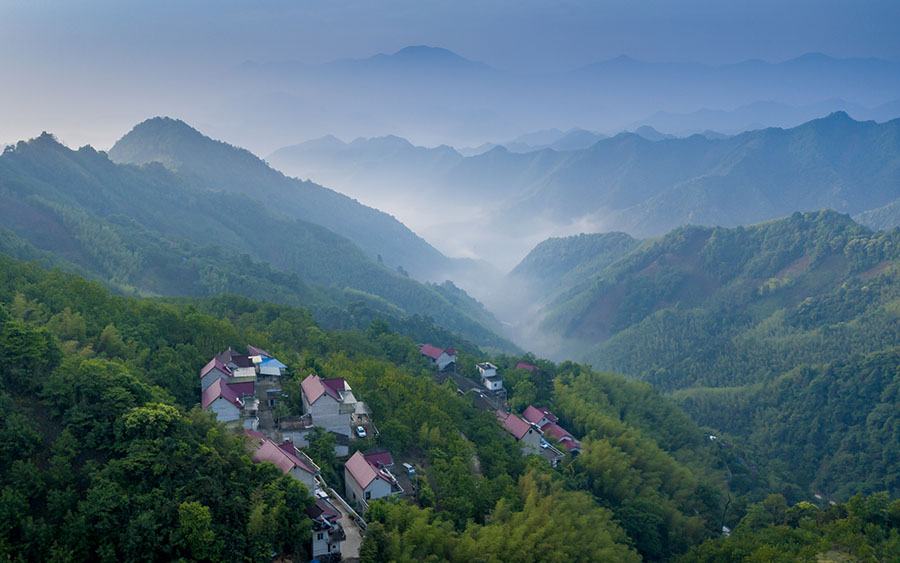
(625, 183)
(199, 217)
(434, 97)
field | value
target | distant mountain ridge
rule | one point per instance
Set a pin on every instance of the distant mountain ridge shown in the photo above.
(628, 183)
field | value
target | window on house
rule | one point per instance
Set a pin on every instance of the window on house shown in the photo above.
(368, 495)
(319, 536)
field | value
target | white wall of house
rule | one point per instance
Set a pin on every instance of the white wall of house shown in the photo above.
(304, 477)
(531, 442)
(444, 360)
(493, 384)
(224, 410)
(326, 413)
(353, 493)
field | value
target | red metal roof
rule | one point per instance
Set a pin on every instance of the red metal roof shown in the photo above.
(523, 365)
(431, 351)
(246, 388)
(516, 426)
(314, 387)
(361, 470)
(220, 389)
(254, 351)
(281, 456)
(557, 431)
(336, 385)
(532, 414)
(380, 459)
(214, 363)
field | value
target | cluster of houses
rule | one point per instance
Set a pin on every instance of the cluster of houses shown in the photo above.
(533, 428)
(229, 391)
(228, 384)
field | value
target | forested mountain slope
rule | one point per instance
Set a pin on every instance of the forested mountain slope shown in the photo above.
(218, 166)
(103, 458)
(152, 230)
(782, 334)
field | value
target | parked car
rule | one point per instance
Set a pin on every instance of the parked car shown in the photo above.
(360, 431)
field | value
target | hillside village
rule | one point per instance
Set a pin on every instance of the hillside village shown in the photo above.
(245, 391)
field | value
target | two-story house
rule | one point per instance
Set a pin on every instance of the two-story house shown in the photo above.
(547, 422)
(286, 457)
(489, 378)
(368, 477)
(328, 402)
(327, 532)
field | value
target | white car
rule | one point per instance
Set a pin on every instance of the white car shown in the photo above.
(360, 431)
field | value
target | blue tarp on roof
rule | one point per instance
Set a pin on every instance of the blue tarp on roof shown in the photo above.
(272, 362)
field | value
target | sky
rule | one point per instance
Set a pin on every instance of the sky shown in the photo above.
(89, 70)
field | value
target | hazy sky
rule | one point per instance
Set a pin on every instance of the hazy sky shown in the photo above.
(88, 70)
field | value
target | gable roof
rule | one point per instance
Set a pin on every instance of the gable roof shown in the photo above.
(336, 385)
(254, 351)
(516, 426)
(380, 459)
(314, 387)
(361, 470)
(432, 352)
(283, 457)
(271, 362)
(557, 431)
(229, 356)
(534, 414)
(323, 509)
(220, 389)
(523, 365)
(214, 363)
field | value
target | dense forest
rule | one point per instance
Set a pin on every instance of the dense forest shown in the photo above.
(782, 335)
(105, 450)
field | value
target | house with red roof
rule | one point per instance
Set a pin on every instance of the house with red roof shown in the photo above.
(528, 367)
(547, 422)
(366, 478)
(562, 435)
(212, 371)
(528, 434)
(440, 358)
(329, 403)
(539, 416)
(229, 404)
(285, 456)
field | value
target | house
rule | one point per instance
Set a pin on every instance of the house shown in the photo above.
(231, 402)
(367, 478)
(233, 367)
(286, 457)
(329, 403)
(489, 378)
(528, 367)
(547, 422)
(539, 416)
(212, 371)
(563, 436)
(440, 358)
(234, 360)
(327, 532)
(523, 431)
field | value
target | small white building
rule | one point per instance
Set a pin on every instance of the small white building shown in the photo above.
(366, 480)
(327, 532)
(489, 378)
(440, 358)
